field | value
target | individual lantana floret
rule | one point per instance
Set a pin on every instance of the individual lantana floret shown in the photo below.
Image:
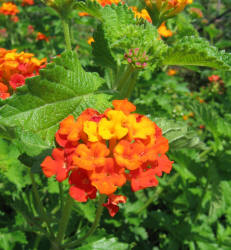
(101, 152)
(90, 40)
(15, 68)
(137, 58)
(172, 72)
(163, 31)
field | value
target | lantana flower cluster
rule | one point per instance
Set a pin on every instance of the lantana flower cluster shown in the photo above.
(102, 152)
(168, 8)
(15, 68)
(11, 10)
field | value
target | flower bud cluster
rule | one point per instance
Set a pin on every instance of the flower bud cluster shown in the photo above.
(15, 68)
(101, 152)
(137, 58)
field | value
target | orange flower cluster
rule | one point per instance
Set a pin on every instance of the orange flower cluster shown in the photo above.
(141, 14)
(168, 8)
(9, 9)
(101, 152)
(15, 68)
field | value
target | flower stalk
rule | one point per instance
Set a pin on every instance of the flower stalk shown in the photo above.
(94, 226)
(67, 36)
(39, 204)
(64, 220)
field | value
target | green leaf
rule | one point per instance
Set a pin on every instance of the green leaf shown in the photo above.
(29, 142)
(178, 134)
(198, 52)
(105, 244)
(8, 240)
(86, 210)
(63, 88)
(184, 26)
(101, 50)
(224, 128)
(213, 122)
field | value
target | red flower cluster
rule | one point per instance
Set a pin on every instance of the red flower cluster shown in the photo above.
(41, 36)
(27, 2)
(216, 84)
(214, 78)
(101, 152)
(15, 68)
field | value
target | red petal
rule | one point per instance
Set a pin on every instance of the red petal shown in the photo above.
(165, 164)
(112, 209)
(58, 155)
(78, 194)
(49, 166)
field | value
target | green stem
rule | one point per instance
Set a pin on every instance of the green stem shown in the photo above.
(37, 240)
(204, 153)
(94, 226)
(130, 87)
(61, 195)
(124, 78)
(39, 203)
(67, 36)
(157, 194)
(64, 219)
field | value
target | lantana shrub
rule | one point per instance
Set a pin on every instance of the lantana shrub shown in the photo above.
(80, 129)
